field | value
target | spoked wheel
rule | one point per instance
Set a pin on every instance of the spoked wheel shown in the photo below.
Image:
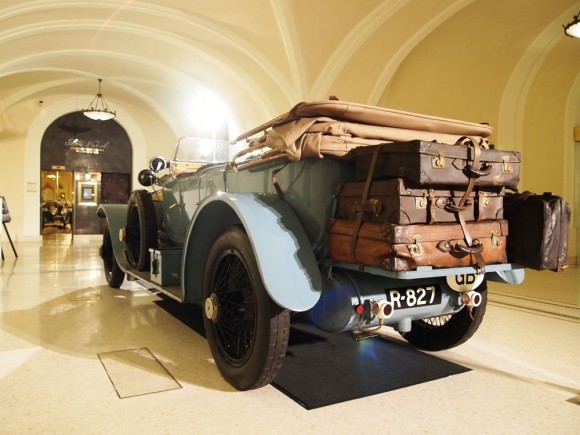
(246, 331)
(113, 273)
(141, 229)
(444, 332)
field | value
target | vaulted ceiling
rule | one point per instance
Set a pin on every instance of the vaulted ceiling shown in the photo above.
(161, 58)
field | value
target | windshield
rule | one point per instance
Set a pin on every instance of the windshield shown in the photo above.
(203, 150)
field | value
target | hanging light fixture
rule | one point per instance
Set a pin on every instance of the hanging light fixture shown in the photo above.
(98, 108)
(573, 29)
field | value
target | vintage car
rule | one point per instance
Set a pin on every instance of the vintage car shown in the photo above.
(57, 213)
(247, 238)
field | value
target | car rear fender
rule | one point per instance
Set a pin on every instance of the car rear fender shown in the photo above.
(283, 252)
(116, 215)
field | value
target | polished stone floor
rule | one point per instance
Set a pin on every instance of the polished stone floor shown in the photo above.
(77, 357)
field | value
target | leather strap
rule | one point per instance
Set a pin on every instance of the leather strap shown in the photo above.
(458, 250)
(431, 205)
(463, 224)
(471, 174)
(457, 209)
(276, 184)
(473, 170)
(364, 199)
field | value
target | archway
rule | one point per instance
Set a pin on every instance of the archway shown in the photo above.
(97, 156)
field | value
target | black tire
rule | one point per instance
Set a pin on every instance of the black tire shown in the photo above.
(113, 273)
(248, 337)
(141, 229)
(444, 332)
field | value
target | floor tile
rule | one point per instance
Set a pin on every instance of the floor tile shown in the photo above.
(136, 372)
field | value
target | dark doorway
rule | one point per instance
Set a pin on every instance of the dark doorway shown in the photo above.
(100, 155)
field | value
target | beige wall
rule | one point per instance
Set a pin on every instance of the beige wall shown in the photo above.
(12, 161)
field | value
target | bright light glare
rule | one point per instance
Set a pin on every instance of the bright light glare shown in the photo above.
(207, 111)
(205, 147)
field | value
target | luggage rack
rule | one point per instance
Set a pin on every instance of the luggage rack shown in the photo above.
(510, 273)
(262, 155)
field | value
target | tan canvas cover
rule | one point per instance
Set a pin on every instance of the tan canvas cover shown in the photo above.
(335, 127)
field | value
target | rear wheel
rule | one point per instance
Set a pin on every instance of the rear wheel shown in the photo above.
(246, 331)
(141, 229)
(113, 272)
(444, 332)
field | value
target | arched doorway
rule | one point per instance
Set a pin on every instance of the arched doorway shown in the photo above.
(83, 163)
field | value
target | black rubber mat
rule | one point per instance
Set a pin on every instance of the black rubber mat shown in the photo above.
(322, 369)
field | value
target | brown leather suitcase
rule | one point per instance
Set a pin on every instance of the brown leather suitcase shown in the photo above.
(539, 230)
(399, 201)
(406, 247)
(435, 163)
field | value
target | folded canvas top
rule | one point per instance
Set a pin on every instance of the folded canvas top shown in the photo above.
(380, 116)
(335, 127)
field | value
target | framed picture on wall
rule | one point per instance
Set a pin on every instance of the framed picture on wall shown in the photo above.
(5, 212)
(87, 193)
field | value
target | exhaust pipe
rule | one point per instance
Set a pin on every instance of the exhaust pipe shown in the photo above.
(471, 298)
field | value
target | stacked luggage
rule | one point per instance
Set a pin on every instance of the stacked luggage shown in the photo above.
(420, 203)
(428, 191)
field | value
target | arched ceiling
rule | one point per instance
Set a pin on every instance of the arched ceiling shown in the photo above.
(260, 57)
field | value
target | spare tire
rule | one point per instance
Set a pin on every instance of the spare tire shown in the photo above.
(444, 332)
(141, 230)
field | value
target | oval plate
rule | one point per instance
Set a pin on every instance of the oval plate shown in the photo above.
(464, 283)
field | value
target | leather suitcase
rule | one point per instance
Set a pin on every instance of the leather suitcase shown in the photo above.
(406, 247)
(435, 163)
(539, 226)
(399, 201)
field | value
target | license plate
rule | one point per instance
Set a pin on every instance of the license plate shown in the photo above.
(414, 296)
